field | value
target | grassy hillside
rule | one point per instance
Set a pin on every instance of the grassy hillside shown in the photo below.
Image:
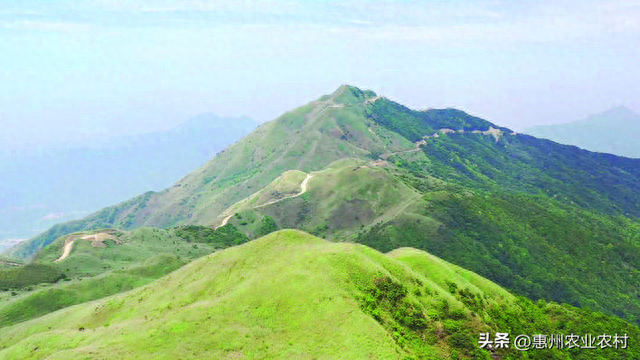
(128, 260)
(306, 139)
(291, 295)
(37, 300)
(16, 277)
(502, 160)
(350, 123)
(440, 180)
(132, 248)
(340, 200)
(537, 246)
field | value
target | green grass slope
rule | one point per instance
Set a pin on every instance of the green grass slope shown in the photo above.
(129, 260)
(439, 180)
(291, 295)
(35, 301)
(537, 246)
(351, 123)
(504, 160)
(340, 200)
(134, 247)
(306, 139)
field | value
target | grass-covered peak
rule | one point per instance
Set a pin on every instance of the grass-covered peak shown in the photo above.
(348, 94)
(287, 238)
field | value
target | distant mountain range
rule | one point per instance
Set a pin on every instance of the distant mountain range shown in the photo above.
(401, 195)
(615, 131)
(543, 219)
(42, 187)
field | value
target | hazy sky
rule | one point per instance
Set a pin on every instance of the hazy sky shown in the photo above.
(69, 69)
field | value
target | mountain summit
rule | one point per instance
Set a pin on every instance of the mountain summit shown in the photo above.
(545, 220)
(350, 122)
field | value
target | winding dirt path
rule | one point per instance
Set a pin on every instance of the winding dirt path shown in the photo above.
(304, 186)
(97, 240)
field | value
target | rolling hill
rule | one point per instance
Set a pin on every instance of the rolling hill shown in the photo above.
(614, 131)
(545, 220)
(292, 295)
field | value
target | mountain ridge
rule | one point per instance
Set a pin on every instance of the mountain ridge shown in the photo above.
(613, 131)
(41, 188)
(475, 189)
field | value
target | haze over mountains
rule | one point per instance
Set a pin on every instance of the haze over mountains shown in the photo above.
(541, 219)
(389, 176)
(615, 131)
(41, 187)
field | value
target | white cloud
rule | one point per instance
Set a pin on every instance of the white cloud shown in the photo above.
(264, 6)
(53, 216)
(43, 25)
(549, 22)
(429, 21)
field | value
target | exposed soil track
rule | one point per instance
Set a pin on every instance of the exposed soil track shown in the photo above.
(97, 240)
(304, 186)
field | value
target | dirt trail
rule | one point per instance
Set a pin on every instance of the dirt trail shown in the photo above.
(68, 245)
(224, 221)
(303, 189)
(372, 100)
(421, 142)
(97, 240)
(304, 186)
(496, 133)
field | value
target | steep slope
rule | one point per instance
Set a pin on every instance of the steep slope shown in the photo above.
(440, 180)
(308, 138)
(477, 154)
(614, 131)
(446, 144)
(534, 245)
(291, 295)
(537, 246)
(42, 187)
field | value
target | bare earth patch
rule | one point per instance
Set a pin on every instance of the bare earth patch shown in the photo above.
(97, 241)
(304, 186)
